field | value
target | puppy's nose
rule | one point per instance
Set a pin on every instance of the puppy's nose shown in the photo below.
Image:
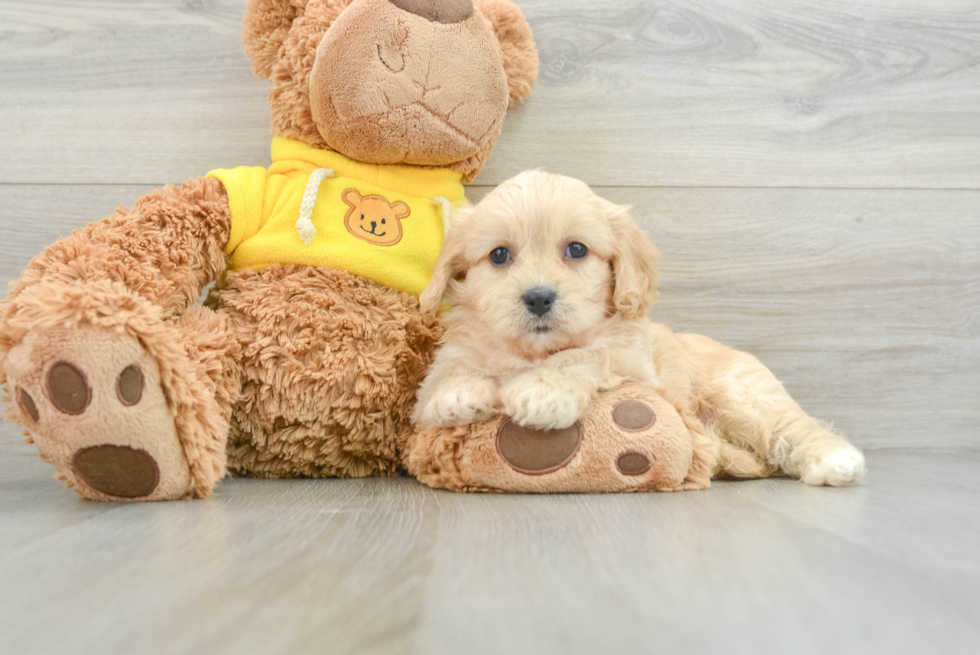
(539, 300)
(437, 11)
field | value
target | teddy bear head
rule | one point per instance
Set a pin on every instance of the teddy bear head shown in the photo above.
(417, 82)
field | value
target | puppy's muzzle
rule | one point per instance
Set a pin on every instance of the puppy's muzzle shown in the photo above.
(539, 300)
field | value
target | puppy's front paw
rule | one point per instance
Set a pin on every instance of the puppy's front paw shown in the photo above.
(536, 402)
(459, 402)
(835, 469)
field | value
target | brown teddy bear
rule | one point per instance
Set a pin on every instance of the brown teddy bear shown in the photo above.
(306, 358)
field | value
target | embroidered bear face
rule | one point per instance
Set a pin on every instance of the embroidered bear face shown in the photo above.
(374, 219)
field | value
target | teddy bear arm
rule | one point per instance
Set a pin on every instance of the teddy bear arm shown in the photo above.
(165, 249)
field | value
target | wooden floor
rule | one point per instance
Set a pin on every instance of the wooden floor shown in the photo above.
(811, 172)
(390, 566)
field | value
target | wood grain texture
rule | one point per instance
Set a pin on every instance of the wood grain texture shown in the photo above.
(866, 303)
(388, 566)
(864, 93)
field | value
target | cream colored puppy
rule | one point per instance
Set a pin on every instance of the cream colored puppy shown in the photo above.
(547, 287)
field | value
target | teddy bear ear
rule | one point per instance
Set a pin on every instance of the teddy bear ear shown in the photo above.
(351, 196)
(264, 29)
(402, 210)
(516, 45)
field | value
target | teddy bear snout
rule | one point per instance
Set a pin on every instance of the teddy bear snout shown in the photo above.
(437, 11)
(388, 87)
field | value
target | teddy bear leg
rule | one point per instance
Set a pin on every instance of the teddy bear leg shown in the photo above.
(330, 366)
(124, 405)
(633, 440)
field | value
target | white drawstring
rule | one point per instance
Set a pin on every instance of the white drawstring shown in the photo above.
(447, 211)
(305, 223)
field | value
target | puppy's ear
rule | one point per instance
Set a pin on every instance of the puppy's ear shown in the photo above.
(450, 264)
(516, 46)
(634, 265)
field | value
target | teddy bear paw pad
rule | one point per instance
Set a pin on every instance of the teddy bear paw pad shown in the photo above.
(536, 452)
(67, 388)
(633, 416)
(633, 464)
(93, 402)
(650, 447)
(118, 471)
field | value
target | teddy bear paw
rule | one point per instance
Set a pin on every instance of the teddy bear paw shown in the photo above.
(621, 446)
(632, 440)
(94, 406)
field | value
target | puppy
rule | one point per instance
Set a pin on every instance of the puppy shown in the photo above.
(546, 287)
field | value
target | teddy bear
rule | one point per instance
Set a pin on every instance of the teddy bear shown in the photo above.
(305, 358)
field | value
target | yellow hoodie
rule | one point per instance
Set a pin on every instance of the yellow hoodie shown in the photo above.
(319, 208)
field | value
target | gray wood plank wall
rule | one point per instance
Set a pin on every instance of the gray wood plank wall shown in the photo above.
(810, 170)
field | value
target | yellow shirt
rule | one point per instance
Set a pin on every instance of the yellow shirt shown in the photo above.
(381, 222)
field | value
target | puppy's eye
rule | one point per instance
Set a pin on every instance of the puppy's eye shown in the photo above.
(500, 257)
(576, 250)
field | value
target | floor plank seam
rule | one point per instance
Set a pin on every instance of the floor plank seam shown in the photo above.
(665, 187)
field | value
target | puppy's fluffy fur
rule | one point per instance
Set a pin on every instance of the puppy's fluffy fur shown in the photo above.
(545, 370)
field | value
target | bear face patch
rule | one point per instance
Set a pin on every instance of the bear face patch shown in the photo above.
(373, 218)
